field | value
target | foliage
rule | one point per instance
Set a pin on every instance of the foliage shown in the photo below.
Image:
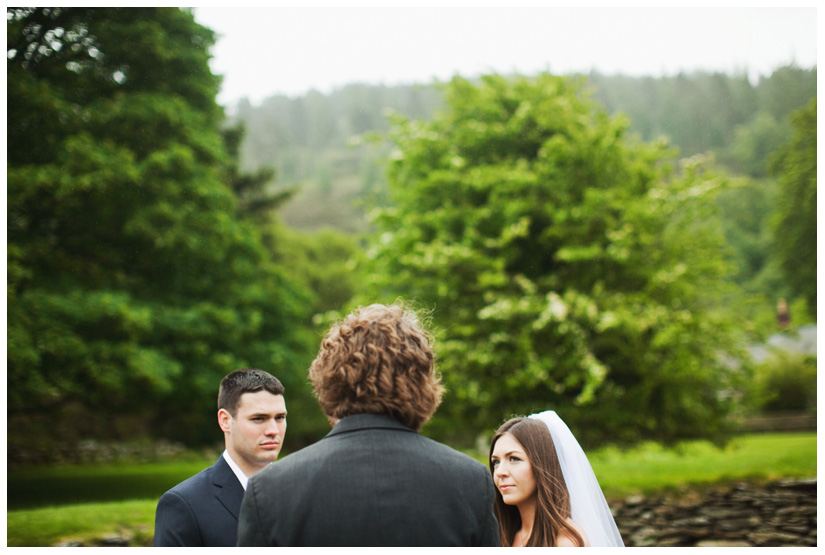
(786, 382)
(746, 206)
(787, 89)
(307, 136)
(566, 266)
(754, 142)
(313, 140)
(670, 106)
(255, 201)
(327, 261)
(282, 128)
(701, 112)
(795, 225)
(739, 121)
(133, 287)
(745, 211)
(801, 314)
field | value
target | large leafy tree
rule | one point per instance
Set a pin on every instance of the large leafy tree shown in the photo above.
(133, 283)
(566, 266)
(795, 216)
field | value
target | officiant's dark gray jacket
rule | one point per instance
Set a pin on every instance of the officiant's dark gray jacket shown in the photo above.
(371, 482)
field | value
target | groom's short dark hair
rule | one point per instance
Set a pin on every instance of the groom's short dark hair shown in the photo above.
(245, 380)
(378, 360)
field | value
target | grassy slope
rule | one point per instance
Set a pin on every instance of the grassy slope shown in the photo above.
(51, 525)
(649, 467)
(646, 468)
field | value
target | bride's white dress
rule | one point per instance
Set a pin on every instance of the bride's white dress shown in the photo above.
(587, 503)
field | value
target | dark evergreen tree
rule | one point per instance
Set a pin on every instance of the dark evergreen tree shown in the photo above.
(133, 284)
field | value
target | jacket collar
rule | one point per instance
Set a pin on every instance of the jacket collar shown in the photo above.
(357, 422)
(228, 489)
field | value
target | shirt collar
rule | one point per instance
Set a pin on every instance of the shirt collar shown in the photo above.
(242, 478)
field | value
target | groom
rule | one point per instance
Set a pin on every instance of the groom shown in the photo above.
(373, 480)
(203, 510)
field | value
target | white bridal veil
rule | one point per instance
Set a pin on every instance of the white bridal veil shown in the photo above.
(588, 506)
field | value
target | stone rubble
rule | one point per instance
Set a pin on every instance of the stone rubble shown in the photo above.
(778, 514)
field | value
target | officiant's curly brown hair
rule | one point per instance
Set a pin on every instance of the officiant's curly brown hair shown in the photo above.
(378, 360)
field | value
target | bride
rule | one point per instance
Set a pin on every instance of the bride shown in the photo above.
(547, 494)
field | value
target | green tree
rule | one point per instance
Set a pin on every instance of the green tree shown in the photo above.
(328, 262)
(786, 382)
(133, 284)
(566, 266)
(746, 208)
(255, 199)
(754, 143)
(786, 90)
(258, 200)
(795, 226)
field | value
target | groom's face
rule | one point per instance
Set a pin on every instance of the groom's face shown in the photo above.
(255, 434)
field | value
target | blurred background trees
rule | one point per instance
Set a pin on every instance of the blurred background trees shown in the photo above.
(605, 245)
(134, 282)
(795, 218)
(340, 174)
(566, 265)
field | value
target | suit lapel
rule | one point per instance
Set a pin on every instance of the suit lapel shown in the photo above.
(227, 488)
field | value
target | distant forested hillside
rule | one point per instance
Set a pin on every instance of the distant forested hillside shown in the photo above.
(315, 144)
(314, 141)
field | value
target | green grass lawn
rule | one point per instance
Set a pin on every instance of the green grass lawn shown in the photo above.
(52, 525)
(49, 505)
(644, 469)
(649, 467)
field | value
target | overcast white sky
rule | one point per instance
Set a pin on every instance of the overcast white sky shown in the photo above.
(266, 51)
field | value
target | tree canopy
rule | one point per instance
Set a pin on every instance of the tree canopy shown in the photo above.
(795, 224)
(566, 266)
(133, 284)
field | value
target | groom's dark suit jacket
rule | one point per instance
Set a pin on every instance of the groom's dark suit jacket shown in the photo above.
(370, 482)
(201, 511)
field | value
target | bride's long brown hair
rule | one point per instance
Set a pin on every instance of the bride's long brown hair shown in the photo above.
(552, 497)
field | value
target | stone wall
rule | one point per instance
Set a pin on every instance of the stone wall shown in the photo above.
(777, 514)
(91, 451)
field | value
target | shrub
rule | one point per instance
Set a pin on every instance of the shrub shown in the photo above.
(786, 381)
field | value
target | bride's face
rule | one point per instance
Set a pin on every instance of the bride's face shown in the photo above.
(512, 471)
